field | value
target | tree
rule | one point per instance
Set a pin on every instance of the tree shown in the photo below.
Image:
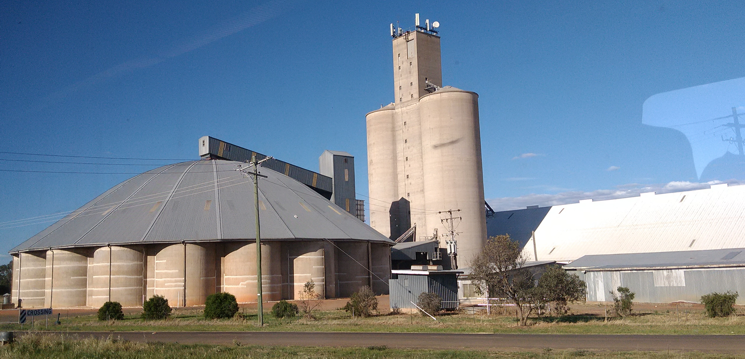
(499, 270)
(309, 299)
(6, 276)
(559, 288)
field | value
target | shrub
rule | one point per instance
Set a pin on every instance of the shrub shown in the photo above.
(309, 299)
(431, 303)
(220, 305)
(719, 304)
(623, 302)
(110, 310)
(362, 302)
(156, 308)
(284, 309)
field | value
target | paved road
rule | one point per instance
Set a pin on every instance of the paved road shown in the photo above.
(704, 343)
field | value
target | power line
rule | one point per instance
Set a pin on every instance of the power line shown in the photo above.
(93, 157)
(78, 163)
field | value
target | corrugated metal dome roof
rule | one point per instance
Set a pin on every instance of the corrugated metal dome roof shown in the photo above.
(204, 200)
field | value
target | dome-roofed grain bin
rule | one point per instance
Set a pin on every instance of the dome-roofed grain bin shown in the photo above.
(187, 230)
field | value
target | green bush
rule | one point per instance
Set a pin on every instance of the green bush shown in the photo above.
(362, 302)
(623, 302)
(429, 302)
(156, 308)
(719, 304)
(220, 305)
(284, 309)
(110, 310)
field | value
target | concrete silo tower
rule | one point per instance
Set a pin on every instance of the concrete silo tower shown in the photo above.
(424, 152)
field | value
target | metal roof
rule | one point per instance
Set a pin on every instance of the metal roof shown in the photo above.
(339, 153)
(682, 221)
(407, 250)
(679, 259)
(210, 147)
(519, 224)
(204, 200)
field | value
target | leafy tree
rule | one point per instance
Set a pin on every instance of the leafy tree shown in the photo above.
(6, 276)
(499, 270)
(559, 288)
(623, 302)
(110, 310)
(362, 302)
(719, 304)
(220, 305)
(430, 302)
(284, 309)
(309, 299)
(156, 308)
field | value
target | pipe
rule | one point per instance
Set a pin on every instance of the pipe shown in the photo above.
(20, 272)
(184, 243)
(109, 245)
(51, 288)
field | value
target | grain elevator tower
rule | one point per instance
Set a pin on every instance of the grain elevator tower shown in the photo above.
(424, 152)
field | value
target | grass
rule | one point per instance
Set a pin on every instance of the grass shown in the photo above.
(651, 322)
(63, 346)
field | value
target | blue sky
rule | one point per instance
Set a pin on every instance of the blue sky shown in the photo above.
(578, 99)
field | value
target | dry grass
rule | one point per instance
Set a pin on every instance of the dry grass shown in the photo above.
(647, 320)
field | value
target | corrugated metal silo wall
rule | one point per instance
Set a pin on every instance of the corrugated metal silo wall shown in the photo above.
(665, 286)
(406, 290)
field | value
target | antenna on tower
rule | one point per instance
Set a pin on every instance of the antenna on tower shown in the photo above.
(426, 28)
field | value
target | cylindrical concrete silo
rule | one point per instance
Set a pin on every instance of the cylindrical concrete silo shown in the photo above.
(381, 167)
(16, 276)
(239, 271)
(200, 272)
(32, 279)
(168, 268)
(68, 274)
(451, 146)
(116, 275)
(352, 264)
(305, 261)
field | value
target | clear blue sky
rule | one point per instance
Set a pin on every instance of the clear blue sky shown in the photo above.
(577, 98)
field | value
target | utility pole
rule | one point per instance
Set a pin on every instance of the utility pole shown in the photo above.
(255, 176)
(738, 136)
(452, 244)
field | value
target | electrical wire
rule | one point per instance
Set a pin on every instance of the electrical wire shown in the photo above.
(94, 157)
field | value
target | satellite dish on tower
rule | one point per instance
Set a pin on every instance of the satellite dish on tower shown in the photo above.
(435, 24)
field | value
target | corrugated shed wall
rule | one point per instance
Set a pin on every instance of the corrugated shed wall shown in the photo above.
(665, 286)
(406, 289)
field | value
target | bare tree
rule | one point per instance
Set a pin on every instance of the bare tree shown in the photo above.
(499, 270)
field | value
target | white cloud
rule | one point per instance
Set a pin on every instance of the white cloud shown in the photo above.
(622, 191)
(613, 168)
(526, 155)
(514, 179)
